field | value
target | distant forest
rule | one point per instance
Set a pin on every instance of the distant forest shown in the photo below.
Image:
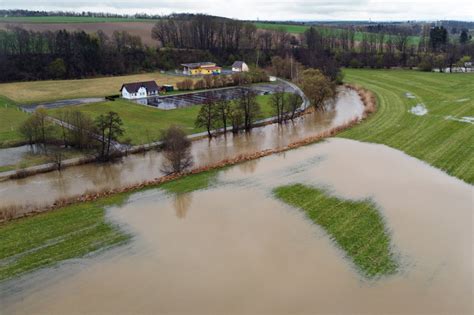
(33, 55)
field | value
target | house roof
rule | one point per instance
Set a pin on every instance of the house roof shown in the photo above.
(135, 86)
(238, 64)
(198, 64)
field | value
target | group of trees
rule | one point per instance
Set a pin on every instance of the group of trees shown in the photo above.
(240, 113)
(403, 48)
(75, 129)
(31, 55)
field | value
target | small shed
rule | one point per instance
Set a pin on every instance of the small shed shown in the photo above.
(240, 66)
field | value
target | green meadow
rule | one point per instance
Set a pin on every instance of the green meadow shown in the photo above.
(440, 137)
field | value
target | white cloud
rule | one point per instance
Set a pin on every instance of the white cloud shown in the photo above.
(270, 10)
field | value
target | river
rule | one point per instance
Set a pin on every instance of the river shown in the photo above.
(44, 189)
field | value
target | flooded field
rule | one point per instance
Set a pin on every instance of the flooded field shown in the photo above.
(233, 248)
(10, 156)
(43, 189)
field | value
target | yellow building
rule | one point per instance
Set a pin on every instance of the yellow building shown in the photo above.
(201, 68)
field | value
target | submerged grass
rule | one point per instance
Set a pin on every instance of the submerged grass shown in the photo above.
(49, 238)
(73, 231)
(356, 226)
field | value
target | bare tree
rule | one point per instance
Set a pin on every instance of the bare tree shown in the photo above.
(223, 107)
(236, 116)
(84, 127)
(176, 151)
(294, 101)
(110, 128)
(249, 106)
(37, 127)
(278, 103)
(56, 158)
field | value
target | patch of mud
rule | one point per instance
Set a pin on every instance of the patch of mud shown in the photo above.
(465, 119)
(419, 110)
(410, 95)
(235, 249)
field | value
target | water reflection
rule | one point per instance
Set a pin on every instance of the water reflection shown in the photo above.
(181, 203)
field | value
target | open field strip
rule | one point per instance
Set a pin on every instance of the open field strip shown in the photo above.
(443, 143)
(144, 124)
(70, 19)
(326, 31)
(43, 91)
(356, 226)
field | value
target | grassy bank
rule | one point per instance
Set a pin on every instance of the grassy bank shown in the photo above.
(444, 143)
(72, 231)
(11, 119)
(144, 124)
(356, 226)
(42, 91)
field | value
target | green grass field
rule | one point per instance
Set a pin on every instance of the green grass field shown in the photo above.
(443, 143)
(69, 19)
(356, 226)
(43, 91)
(49, 238)
(11, 119)
(72, 231)
(144, 124)
(326, 31)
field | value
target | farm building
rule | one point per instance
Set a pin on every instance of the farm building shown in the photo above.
(240, 66)
(139, 89)
(201, 68)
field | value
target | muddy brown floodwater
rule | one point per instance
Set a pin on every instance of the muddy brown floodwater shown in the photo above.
(44, 189)
(234, 249)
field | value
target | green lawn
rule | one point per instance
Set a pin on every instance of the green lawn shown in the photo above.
(69, 19)
(144, 124)
(10, 120)
(355, 225)
(443, 143)
(72, 231)
(326, 31)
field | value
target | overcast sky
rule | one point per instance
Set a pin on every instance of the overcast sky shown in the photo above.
(376, 10)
